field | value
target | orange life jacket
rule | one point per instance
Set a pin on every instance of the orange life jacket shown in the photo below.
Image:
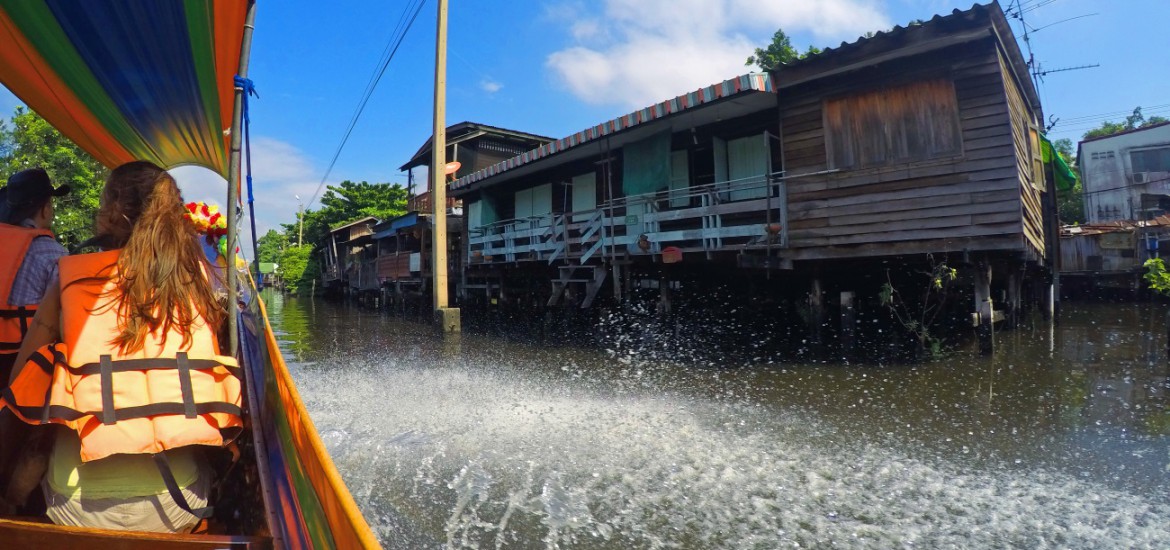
(160, 397)
(13, 319)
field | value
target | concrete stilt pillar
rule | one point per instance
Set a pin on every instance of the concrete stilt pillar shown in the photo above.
(984, 311)
(1048, 300)
(848, 325)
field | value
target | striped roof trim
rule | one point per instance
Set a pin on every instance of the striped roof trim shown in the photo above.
(754, 82)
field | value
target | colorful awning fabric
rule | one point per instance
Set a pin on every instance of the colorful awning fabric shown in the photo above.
(128, 80)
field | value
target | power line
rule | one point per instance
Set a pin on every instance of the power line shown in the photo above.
(1117, 113)
(396, 39)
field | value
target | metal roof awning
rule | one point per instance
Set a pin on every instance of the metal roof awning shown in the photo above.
(409, 220)
(735, 87)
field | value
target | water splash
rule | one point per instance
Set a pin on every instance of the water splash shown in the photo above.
(496, 454)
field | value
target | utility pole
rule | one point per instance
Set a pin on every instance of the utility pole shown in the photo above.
(300, 220)
(447, 318)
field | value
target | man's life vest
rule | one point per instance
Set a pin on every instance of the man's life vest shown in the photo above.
(14, 320)
(160, 397)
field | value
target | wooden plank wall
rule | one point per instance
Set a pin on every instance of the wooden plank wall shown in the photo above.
(966, 202)
(1030, 183)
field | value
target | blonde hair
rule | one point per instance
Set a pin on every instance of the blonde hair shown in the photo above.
(161, 281)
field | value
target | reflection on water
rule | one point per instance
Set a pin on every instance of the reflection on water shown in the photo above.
(1060, 440)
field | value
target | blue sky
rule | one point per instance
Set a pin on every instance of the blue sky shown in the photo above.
(557, 67)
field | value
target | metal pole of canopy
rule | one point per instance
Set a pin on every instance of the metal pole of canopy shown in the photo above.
(234, 183)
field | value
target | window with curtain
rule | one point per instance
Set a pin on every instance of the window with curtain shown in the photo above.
(747, 164)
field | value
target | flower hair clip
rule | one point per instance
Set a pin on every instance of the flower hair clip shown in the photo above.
(206, 219)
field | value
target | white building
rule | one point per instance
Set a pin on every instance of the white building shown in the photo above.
(1126, 176)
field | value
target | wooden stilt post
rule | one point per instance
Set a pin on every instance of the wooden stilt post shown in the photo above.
(848, 325)
(1015, 283)
(663, 297)
(816, 307)
(984, 311)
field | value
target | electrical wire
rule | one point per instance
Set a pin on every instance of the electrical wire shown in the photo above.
(392, 46)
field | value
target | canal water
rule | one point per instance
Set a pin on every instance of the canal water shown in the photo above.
(1060, 440)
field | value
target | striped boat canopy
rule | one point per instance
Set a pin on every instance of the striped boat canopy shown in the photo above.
(753, 82)
(128, 80)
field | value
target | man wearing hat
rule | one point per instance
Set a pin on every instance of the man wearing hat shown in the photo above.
(28, 256)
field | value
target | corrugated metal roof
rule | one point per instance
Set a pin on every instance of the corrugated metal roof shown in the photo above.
(1113, 226)
(753, 82)
(366, 219)
(896, 34)
(402, 222)
(900, 37)
(458, 132)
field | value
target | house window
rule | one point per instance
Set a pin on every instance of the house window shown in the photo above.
(1037, 158)
(1150, 160)
(894, 124)
(474, 214)
(533, 206)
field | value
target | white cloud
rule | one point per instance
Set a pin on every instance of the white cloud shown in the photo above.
(586, 29)
(280, 172)
(490, 86)
(651, 50)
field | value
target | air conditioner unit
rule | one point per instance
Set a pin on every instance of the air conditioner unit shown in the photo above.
(1140, 177)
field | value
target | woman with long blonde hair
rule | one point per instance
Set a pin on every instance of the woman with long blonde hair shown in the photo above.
(132, 334)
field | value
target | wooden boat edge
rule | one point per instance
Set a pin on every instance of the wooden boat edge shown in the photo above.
(32, 535)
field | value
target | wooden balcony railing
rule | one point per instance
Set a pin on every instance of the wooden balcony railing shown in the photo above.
(422, 203)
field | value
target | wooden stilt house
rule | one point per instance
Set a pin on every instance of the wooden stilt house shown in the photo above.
(345, 258)
(404, 244)
(922, 140)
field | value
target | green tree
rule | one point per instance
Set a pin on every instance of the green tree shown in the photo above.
(31, 142)
(298, 269)
(918, 314)
(779, 52)
(1132, 122)
(270, 246)
(349, 201)
(1156, 276)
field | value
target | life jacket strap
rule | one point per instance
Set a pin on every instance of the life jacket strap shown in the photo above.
(17, 312)
(106, 368)
(184, 368)
(164, 468)
(155, 363)
(107, 374)
(22, 314)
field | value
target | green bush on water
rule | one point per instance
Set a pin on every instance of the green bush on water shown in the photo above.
(1157, 276)
(297, 269)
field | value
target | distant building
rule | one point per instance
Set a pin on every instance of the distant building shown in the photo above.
(404, 244)
(346, 259)
(1126, 176)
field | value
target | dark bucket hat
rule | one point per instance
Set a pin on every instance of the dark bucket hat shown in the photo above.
(27, 187)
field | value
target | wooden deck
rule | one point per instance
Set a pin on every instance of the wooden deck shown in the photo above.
(640, 225)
